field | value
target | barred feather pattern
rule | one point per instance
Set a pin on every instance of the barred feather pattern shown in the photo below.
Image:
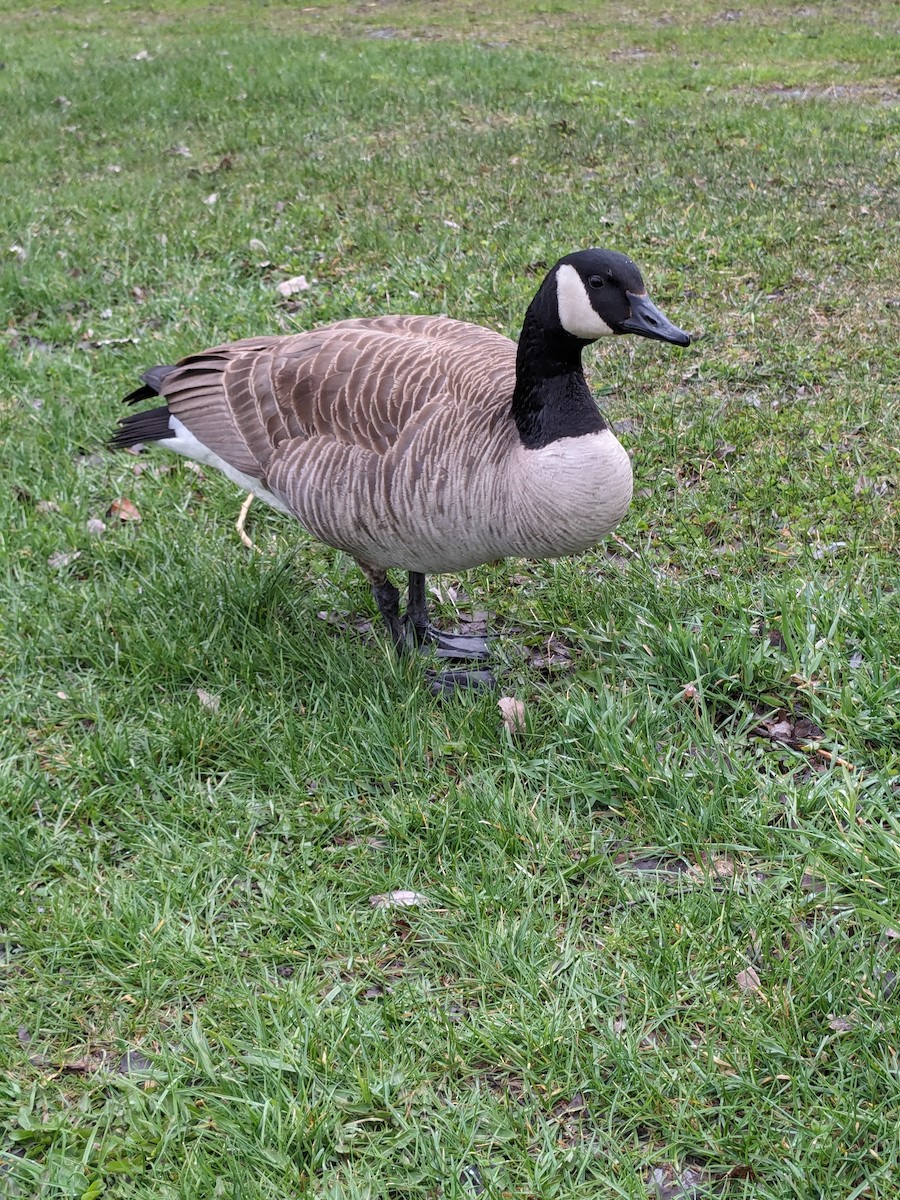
(392, 438)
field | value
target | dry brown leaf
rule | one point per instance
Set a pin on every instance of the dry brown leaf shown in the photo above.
(133, 1062)
(806, 730)
(552, 655)
(87, 1065)
(829, 550)
(841, 1024)
(748, 980)
(783, 727)
(666, 1182)
(123, 509)
(375, 991)
(781, 731)
(653, 864)
(62, 558)
(398, 899)
(290, 287)
(718, 866)
(513, 713)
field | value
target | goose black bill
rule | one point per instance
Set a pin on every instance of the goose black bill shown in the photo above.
(646, 320)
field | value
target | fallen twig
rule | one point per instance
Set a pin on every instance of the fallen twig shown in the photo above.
(827, 754)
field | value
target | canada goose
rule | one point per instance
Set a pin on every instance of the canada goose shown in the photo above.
(421, 442)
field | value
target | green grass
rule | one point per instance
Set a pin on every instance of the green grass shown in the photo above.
(573, 1011)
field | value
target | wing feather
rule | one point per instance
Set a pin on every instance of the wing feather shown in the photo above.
(356, 383)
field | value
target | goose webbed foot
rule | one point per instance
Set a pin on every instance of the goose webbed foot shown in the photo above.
(448, 683)
(457, 646)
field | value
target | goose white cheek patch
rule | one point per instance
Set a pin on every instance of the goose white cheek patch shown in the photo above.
(576, 313)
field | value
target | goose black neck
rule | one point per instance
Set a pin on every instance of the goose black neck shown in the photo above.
(551, 399)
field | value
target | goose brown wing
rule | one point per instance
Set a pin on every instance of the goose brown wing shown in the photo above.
(357, 383)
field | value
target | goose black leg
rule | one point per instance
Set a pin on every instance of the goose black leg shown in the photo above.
(388, 600)
(441, 683)
(447, 645)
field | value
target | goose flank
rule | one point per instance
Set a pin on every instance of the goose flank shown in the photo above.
(419, 442)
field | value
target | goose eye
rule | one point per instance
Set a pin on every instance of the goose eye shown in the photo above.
(596, 281)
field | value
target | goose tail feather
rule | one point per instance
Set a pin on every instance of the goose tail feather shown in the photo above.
(152, 382)
(151, 425)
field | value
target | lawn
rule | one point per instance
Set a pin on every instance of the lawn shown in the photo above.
(654, 944)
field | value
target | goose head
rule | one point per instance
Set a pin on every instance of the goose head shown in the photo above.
(599, 293)
(589, 294)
